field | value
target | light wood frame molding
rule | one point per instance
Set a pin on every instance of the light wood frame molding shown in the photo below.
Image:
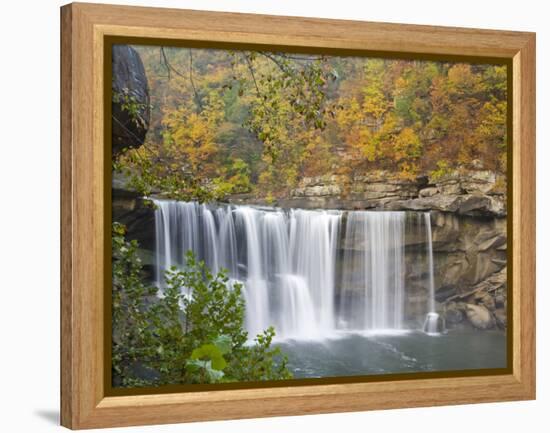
(83, 400)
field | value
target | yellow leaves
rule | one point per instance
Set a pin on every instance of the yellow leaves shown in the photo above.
(407, 145)
(495, 80)
(367, 144)
(319, 158)
(408, 170)
(461, 80)
(490, 134)
(493, 121)
(400, 84)
(265, 177)
(443, 169)
(439, 96)
(196, 129)
(349, 114)
(192, 137)
(375, 104)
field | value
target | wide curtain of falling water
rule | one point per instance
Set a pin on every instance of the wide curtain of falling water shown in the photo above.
(308, 273)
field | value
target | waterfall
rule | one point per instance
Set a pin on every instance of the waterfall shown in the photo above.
(176, 232)
(308, 273)
(373, 281)
(255, 287)
(314, 237)
(431, 285)
(432, 323)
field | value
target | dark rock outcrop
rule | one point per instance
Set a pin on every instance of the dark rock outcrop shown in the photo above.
(479, 316)
(485, 300)
(468, 210)
(130, 122)
(137, 214)
(130, 105)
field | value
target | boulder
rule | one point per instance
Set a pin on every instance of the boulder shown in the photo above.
(446, 231)
(298, 192)
(493, 282)
(428, 192)
(450, 188)
(130, 102)
(321, 190)
(493, 242)
(137, 214)
(453, 315)
(486, 300)
(467, 181)
(445, 203)
(500, 300)
(482, 205)
(479, 316)
(479, 181)
(501, 318)
(381, 187)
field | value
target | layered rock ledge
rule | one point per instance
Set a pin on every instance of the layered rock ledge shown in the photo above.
(469, 232)
(466, 192)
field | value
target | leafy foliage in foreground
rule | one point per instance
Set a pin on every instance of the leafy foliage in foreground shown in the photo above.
(194, 333)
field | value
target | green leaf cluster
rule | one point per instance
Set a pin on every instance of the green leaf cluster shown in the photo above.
(192, 333)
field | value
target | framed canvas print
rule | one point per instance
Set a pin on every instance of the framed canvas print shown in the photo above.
(270, 216)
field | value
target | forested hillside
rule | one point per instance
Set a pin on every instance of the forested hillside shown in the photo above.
(229, 122)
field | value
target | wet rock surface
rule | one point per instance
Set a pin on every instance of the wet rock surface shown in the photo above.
(130, 104)
(468, 210)
(469, 234)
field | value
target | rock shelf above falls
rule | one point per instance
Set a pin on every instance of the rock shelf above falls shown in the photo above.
(467, 215)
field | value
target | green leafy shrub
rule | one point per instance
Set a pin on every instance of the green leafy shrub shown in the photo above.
(193, 333)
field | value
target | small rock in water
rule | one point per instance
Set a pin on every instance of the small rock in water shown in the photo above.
(454, 316)
(501, 318)
(479, 316)
(434, 323)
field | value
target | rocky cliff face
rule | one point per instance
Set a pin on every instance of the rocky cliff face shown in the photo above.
(465, 192)
(469, 233)
(469, 270)
(130, 108)
(468, 211)
(131, 116)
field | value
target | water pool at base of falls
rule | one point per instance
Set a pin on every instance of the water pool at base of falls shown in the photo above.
(335, 285)
(395, 352)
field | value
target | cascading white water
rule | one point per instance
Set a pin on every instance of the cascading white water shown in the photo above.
(432, 322)
(431, 285)
(314, 237)
(177, 231)
(309, 273)
(255, 288)
(373, 280)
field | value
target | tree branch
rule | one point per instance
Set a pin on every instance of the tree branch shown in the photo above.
(197, 98)
(277, 62)
(251, 70)
(169, 67)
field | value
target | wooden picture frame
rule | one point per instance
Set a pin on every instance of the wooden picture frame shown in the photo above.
(84, 29)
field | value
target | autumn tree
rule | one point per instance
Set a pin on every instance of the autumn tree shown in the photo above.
(226, 122)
